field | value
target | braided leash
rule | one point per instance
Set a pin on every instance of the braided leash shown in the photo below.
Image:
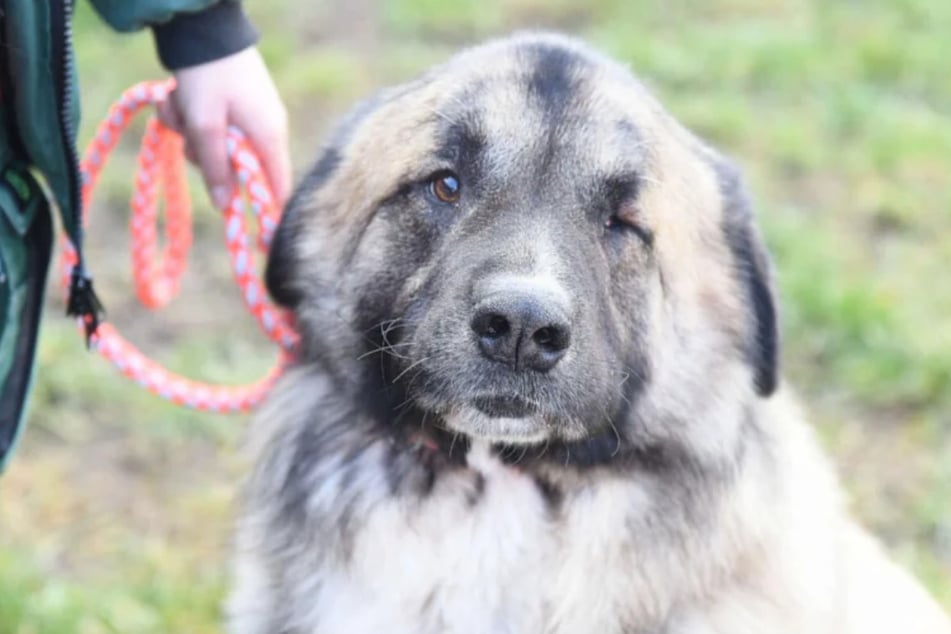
(161, 168)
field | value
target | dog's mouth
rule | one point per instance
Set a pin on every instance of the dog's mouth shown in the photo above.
(473, 422)
(506, 406)
(481, 400)
(506, 418)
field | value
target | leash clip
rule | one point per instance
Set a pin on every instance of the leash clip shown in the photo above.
(83, 302)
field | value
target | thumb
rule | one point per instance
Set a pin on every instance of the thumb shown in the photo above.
(208, 143)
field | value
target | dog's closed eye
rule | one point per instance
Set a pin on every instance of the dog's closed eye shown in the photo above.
(624, 212)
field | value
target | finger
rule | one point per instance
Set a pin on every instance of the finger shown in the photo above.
(270, 143)
(277, 167)
(207, 142)
(168, 114)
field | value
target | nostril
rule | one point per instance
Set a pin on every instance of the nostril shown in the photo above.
(492, 325)
(552, 338)
(544, 337)
(498, 326)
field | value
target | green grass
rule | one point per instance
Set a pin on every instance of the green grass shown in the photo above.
(115, 515)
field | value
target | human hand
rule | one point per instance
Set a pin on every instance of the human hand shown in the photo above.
(234, 90)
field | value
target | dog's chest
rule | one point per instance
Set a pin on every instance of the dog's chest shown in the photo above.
(508, 556)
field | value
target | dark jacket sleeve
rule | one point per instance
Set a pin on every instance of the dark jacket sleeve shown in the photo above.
(187, 32)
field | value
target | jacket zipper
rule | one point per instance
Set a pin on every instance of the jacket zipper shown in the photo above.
(82, 301)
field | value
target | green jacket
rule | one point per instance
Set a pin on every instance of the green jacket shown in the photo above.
(39, 115)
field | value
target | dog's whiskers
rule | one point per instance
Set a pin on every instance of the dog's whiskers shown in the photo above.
(410, 367)
(389, 348)
(440, 114)
(452, 443)
(617, 434)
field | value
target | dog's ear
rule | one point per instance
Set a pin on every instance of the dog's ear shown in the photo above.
(281, 274)
(754, 272)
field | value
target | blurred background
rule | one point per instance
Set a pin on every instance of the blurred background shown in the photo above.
(115, 516)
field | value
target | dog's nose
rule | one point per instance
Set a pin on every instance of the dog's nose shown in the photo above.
(522, 330)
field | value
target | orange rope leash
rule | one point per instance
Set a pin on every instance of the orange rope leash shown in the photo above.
(161, 168)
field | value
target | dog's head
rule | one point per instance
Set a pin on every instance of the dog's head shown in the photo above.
(524, 247)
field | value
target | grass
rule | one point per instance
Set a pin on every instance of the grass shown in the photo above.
(115, 514)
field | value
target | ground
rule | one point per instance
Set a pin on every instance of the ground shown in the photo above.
(115, 515)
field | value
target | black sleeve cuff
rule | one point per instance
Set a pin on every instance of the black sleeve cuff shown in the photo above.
(190, 39)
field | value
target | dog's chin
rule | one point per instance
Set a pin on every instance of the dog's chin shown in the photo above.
(475, 423)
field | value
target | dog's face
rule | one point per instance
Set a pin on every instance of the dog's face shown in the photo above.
(523, 247)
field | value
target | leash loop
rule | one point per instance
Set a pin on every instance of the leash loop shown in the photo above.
(160, 175)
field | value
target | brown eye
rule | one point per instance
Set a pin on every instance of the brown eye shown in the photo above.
(445, 187)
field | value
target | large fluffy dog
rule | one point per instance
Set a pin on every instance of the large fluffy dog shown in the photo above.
(538, 384)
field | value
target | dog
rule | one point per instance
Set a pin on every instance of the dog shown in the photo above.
(538, 383)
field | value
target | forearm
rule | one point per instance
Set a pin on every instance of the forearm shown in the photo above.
(190, 39)
(187, 32)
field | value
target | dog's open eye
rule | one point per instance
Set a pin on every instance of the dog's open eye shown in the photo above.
(445, 186)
